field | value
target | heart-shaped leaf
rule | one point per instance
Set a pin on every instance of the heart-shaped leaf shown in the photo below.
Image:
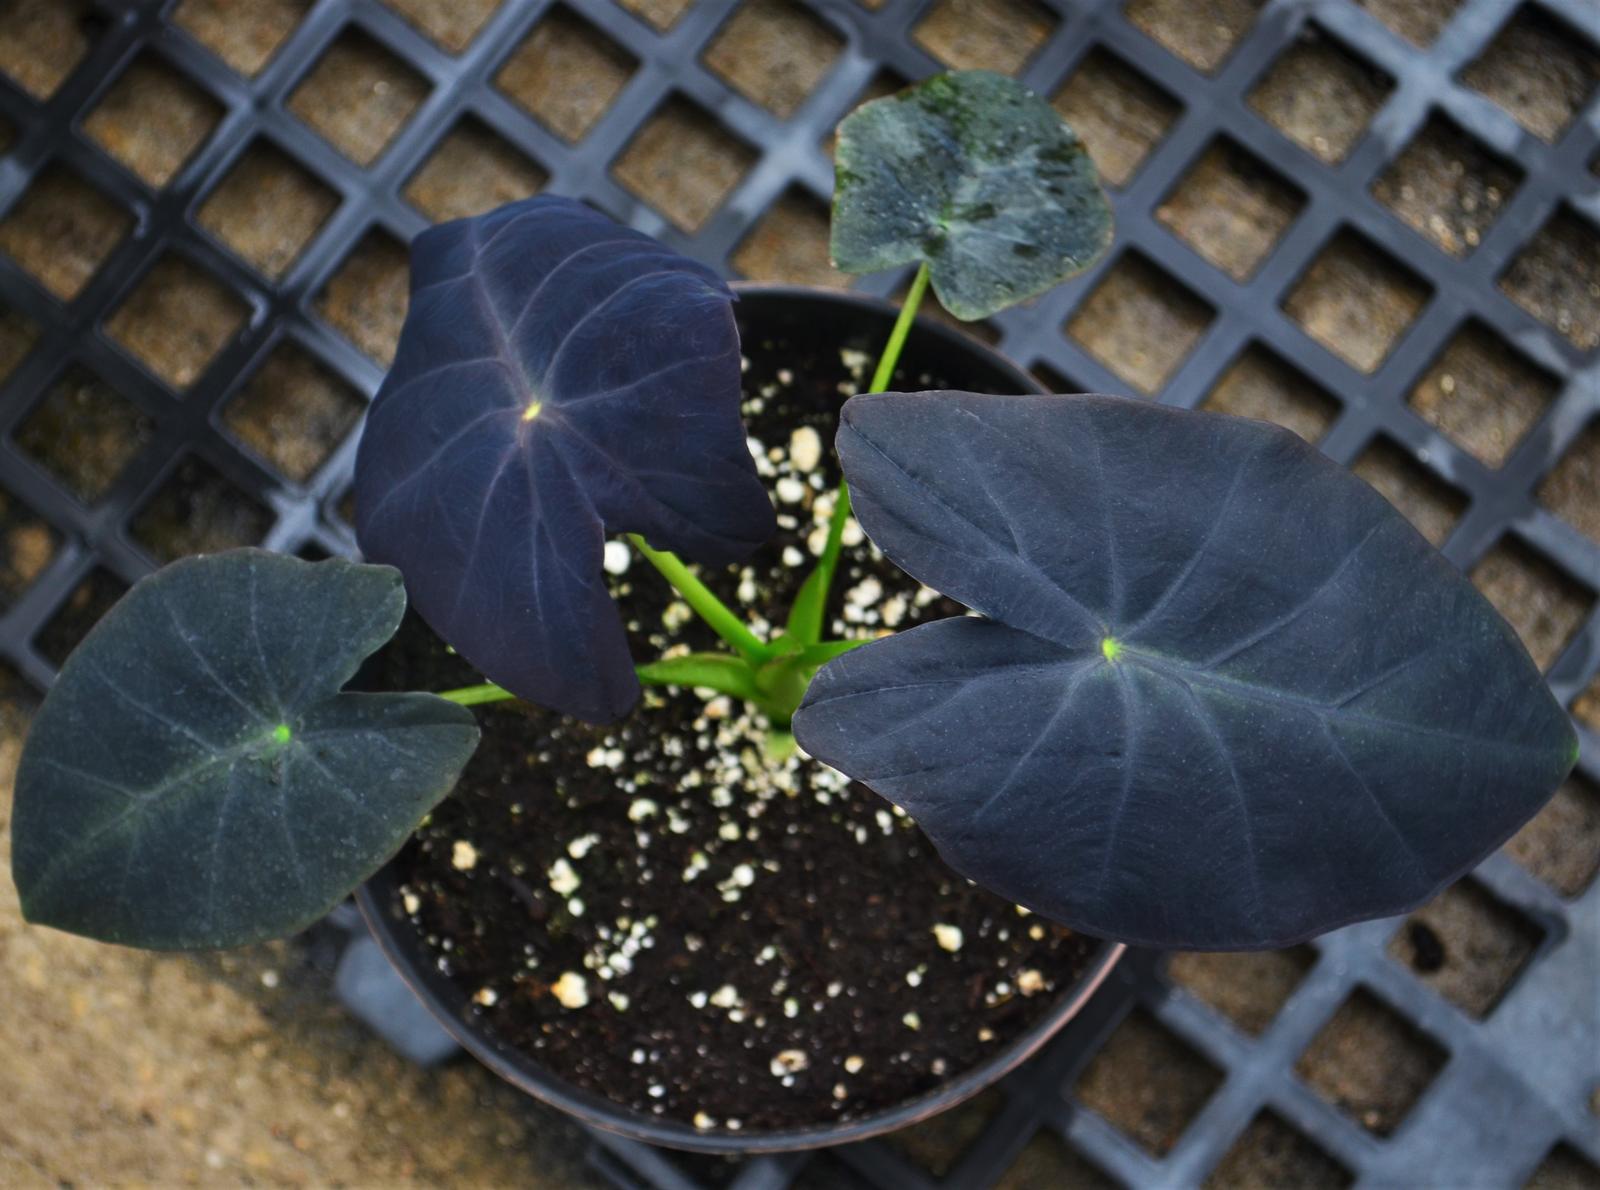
(558, 378)
(1224, 696)
(195, 778)
(978, 176)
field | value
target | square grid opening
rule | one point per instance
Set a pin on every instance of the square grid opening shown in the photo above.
(1203, 35)
(1431, 505)
(365, 300)
(293, 412)
(42, 42)
(1371, 1062)
(196, 510)
(566, 74)
(1538, 68)
(1357, 300)
(28, 544)
(1468, 945)
(1118, 113)
(176, 320)
(472, 170)
(774, 53)
(1231, 208)
(245, 36)
(1321, 95)
(84, 433)
(1271, 1152)
(1147, 1083)
(358, 96)
(683, 163)
(1140, 322)
(152, 120)
(1448, 185)
(267, 209)
(1483, 394)
(62, 230)
(999, 35)
(1260, 384)
(1539, 599)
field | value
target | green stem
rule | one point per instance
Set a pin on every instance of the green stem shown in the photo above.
(471, 696)
(829, 563)
(723, 620)
(657, 673)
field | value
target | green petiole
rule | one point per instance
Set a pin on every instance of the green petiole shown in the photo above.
(813, 601)
(775, 686)
(723, 620)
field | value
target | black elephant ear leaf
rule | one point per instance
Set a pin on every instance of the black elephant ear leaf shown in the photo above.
(195, 778)
(559, 378)
(976, 175)
(1221, 696)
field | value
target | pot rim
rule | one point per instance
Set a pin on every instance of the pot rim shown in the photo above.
(955, 336)
(527, 1074)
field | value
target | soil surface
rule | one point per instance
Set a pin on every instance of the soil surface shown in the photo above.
(666, 917)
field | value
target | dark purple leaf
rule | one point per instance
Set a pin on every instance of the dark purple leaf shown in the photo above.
(1224, 696)
(558, 379)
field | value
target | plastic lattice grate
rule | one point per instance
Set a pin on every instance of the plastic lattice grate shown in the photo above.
(1377, 222)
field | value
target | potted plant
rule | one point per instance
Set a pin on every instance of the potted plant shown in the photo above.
(1178, 680)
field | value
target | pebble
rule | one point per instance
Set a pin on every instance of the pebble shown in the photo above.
(487, 997)
(563, 879)
(854, 1063)
(572, 990)
(641, 809)
(617, 557)
(948, 937)
(463, 855)
(805, 448)
(726, 996)
(1030, 982)
(788, 1062)
(701, 1120)
(911, 1021)
(790, 490)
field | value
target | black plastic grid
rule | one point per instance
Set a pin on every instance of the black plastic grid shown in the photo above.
(1514, 1085)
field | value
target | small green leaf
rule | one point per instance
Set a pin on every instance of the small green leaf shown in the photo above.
(978, 176)
(195, 778)
(721, 672)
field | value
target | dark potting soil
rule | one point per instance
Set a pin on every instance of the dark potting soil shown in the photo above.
(665, 917)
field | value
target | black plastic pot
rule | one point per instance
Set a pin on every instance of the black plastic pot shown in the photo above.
(763, 312)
